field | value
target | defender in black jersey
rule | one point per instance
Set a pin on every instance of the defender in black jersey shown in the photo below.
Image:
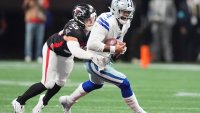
(73, 29)
(58, 54)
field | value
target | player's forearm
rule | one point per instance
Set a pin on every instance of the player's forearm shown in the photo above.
(77, 51)
(97, 45)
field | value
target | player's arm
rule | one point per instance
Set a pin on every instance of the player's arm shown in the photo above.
(96, 39)
(117, 49)
(75, 49)
(80, 53)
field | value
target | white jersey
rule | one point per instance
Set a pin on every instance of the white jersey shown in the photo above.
(105, 27)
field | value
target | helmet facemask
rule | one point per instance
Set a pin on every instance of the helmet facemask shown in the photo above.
(124, 16)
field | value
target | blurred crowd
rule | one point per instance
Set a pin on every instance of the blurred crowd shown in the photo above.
(171, 28)
(35, 18)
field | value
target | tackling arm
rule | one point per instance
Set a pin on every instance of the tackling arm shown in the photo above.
(75, 48)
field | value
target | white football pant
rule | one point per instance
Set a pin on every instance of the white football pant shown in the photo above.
(55, 68)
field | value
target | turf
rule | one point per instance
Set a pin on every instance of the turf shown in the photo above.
(161, 88)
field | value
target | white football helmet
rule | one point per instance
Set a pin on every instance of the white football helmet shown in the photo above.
(122, 5)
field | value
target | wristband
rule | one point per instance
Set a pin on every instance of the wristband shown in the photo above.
(112, 49)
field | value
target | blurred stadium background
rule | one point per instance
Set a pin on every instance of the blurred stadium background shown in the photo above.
(12, 40)
(161, 88)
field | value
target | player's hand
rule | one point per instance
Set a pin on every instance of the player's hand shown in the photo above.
(116, 56)
(120, 48)
(124, 50)
(100, 61)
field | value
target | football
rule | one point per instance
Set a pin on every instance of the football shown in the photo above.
(111, 41)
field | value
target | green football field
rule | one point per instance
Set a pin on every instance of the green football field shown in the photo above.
(162, 88)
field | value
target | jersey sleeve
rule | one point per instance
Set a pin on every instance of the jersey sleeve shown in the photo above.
(98, 34)
(76, 50)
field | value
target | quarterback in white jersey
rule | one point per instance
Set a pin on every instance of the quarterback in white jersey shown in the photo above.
(106, 27)
(113, 24)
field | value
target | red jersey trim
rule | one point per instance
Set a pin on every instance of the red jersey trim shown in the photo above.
(47, 64)
(56, 45)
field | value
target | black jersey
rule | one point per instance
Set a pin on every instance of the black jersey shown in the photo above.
(57, 44)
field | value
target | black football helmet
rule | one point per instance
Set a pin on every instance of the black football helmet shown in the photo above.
(83, 11)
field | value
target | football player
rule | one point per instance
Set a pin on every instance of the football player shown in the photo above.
(113, 24)
(58, 54)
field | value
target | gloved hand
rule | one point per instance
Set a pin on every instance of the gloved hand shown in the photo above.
(100, 61)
